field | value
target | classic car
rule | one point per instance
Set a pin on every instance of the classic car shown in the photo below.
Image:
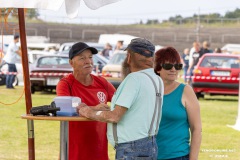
(217, 74)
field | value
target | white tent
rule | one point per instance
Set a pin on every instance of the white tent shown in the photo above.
(72, 7)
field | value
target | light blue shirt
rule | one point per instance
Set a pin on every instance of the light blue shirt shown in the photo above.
(137, 93)
(11, 55)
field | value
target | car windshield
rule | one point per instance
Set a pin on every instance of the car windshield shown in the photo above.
(45, 61)
(67, 48)
(220, 62)
(118, 58)
(101, 58)
(96, 58)
(99, 47)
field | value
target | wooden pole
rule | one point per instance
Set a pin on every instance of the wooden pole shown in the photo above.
(27, 85)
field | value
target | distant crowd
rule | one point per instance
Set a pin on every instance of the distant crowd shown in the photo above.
(190, 57)
(109, 51)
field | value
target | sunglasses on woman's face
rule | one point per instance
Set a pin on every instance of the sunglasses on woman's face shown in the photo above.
(168, 66)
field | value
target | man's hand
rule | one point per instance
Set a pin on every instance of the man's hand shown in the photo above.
(81, 109)
(101, 112)
(85, 110)
(101, 107)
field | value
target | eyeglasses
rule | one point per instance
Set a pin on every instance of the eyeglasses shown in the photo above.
(168, 66)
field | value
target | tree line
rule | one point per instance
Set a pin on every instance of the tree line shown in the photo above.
(13, 12)
(212, 17)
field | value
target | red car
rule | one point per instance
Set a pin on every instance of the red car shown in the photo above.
(217, 74)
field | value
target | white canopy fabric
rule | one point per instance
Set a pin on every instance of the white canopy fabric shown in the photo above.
(72, 6)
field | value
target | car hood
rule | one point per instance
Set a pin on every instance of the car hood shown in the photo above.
(51, 70)
(110, 67)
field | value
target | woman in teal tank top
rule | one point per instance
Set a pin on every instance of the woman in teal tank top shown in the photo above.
(180, 111)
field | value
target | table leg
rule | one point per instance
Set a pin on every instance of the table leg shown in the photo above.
(64, 140)
(31, 144)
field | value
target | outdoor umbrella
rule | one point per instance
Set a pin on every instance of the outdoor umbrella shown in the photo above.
(72, 7)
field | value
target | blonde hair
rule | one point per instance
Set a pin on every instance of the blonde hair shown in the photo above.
(206, 44)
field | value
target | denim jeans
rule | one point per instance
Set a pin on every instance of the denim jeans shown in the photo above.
(180, 158)
(10, 78)
(185, 74)
(142, 149)
(189, 79)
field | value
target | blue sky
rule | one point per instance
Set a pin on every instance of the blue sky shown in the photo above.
(149, 9)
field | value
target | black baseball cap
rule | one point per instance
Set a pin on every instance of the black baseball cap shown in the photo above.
(16, 36)
(79, 47)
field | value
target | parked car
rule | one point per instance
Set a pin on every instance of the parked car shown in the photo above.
(112, 71)
(19, 75)
(217, 74)
(230, 48)
(47, 71)
(68, 45)
(2, 79)
(98, 61)
(3, 47)
(32, 56)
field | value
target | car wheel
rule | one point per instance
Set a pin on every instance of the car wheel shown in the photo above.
(199, 95)
(32, 90)
(2, 79)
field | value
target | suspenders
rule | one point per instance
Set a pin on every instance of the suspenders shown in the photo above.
(158, 104)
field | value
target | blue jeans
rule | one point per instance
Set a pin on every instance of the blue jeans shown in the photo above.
(190, 76)
(10, 78)
(185, 74)
(142, 149)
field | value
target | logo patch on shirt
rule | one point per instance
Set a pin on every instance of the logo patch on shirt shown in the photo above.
(101, 97)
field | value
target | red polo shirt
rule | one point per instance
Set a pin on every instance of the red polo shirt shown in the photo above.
(87, 140)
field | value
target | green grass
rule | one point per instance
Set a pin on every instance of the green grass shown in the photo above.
(218, 140)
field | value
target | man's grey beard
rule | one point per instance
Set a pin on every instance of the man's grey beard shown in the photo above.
(125, 69)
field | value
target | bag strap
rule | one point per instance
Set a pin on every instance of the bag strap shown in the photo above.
(115, 137)
(157, 106)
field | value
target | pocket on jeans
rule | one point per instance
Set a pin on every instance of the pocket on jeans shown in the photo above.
(142, 158)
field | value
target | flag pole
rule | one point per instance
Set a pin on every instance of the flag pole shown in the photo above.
(27, 85)
(237, 125)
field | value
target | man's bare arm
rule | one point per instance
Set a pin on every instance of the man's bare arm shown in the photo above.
(104, 116)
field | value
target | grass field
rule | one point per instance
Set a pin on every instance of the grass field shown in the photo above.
(218, 140)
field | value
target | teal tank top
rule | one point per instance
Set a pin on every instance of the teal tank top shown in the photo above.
(173, 135)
